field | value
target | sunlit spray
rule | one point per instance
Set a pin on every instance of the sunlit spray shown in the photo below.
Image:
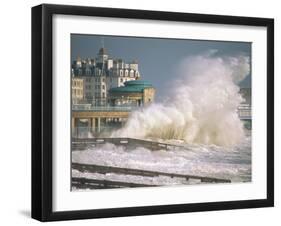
(202, 106)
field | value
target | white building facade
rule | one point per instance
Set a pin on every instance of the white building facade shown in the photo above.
(101, 74)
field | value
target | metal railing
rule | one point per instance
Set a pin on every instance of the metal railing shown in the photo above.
(88, 132)
(102, 108)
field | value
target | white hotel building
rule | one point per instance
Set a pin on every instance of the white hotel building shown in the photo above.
(101, 74)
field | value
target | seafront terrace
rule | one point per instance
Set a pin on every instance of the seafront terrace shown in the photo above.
(88, 107)
(98, 118)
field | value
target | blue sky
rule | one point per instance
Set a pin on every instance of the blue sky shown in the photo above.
(158, 58)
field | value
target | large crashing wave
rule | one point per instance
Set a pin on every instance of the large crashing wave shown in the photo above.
(202, 108)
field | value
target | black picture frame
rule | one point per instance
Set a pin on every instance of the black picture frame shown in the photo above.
(42, 108)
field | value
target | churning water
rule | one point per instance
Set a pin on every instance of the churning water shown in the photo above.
(201, 160)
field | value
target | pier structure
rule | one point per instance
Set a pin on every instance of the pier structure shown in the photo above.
(121, 102)
(96, 118)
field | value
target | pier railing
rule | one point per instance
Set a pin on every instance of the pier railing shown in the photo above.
(102, 108)
(83, 132)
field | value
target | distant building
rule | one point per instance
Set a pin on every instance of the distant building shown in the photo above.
(101, 74)
(77, 90)
(245, 108)
(134, 93)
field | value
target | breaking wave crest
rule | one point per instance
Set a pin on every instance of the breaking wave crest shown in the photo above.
(202, 108)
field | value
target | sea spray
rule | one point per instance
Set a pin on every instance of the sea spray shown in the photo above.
(202, 108)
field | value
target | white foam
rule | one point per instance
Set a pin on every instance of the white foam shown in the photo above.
(202, 105)
(202, 160)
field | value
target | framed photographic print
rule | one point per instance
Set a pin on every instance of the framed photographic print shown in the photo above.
(146, 112)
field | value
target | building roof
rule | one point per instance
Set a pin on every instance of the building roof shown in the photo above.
(138, 83)
(132, 86)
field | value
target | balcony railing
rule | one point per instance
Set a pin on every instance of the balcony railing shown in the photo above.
(89, 107)
(88, 132)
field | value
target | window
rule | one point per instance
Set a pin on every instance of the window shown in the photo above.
(103, 87)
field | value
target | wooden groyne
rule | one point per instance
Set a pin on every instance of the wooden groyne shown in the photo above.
(86, 183)
(138, 172)
(129, 143)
